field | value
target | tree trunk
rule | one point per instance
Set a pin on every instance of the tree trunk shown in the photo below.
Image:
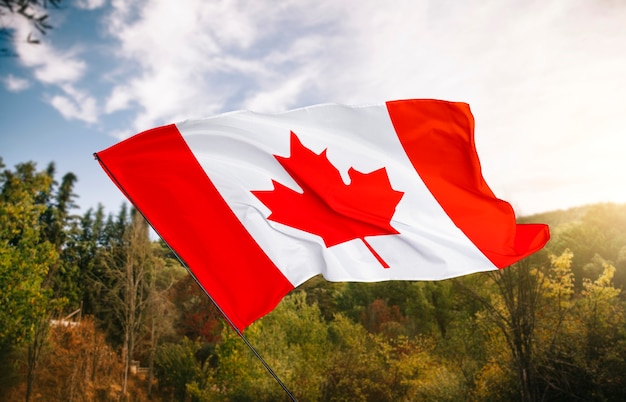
(34, 351)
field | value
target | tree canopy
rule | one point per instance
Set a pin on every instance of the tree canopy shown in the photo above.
(94, 299)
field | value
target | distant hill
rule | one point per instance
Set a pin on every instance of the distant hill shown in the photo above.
(596, 234)
(561, 216)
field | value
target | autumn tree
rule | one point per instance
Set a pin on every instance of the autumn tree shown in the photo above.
(79, 365)
(197, 317)
(127, 263)
(596, 236)
(511, 306)
(601, 320)
(160, 312)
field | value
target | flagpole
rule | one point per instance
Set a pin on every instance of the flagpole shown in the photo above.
(240, 333)
(232, 325)
(265, 364)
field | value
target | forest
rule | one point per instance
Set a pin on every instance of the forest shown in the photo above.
(92, 308)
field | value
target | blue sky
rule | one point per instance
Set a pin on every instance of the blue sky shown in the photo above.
(545, 80)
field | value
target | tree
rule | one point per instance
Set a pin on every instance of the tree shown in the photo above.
(127, 267)
(135, 275)
(292, 339)
(556, 330)
(160, 312)
(59, 226)
(88, 245)
(177, 367)
(197, 316)
(378, 317)
(79, 365)
(34, 216)
(603, 345)
(54, 225)
(25, 257)
(594, 237)
(513, 308)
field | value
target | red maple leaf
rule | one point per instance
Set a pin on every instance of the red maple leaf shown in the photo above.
(327, 207)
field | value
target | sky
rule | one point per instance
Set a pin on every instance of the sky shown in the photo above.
(546, 80)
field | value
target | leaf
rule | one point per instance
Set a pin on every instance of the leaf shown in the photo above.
(327, 207)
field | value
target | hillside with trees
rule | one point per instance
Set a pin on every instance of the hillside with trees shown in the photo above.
(92, 309)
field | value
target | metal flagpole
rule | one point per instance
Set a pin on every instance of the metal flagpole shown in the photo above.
(241, 335)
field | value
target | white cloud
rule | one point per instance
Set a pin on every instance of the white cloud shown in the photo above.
(59, 70)
(75, 104)
(49, 65)
(119, 99)
(89, 4)
(211, 56)
(281, 94)
(545, 79)
(15, 84)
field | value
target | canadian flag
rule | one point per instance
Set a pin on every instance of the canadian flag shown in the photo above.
(256, 204)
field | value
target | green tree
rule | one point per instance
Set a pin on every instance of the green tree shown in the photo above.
(510, 315)
(595, 236)
(59, 227)
(177, 367)
(582, 336)
(88, 246)
(362, 366)
(54, 225)
(556, 331)
(160, 313)
(25, 257)
(572, 344)
(292, 339)
(127, 265)
(603, 346)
